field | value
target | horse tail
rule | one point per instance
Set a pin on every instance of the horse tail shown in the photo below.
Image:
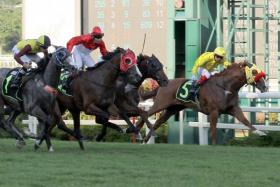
(147, 95)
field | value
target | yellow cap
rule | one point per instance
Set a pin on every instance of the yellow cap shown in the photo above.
(220, 51)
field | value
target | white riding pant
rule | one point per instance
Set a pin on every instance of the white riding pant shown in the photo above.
(81, 57)
(205, 72)
(26, 58)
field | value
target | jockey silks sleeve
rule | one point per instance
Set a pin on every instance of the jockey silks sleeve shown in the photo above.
(207, 61)
(87, 41)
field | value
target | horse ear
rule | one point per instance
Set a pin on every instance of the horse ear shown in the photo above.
(248, 64)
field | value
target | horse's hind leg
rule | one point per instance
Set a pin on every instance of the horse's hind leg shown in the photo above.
(10, 121)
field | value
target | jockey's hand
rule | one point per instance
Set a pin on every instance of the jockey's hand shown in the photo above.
(194, 78)
(26, 65)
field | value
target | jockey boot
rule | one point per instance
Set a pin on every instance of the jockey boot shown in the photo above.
(192, 91)
(17, 80)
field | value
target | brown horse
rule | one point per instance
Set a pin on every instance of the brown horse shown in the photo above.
(94, 90)
(219, 95)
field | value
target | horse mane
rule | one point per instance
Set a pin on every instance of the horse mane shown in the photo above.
(142, 57)
(110, 55)
(106, 58)
(227, 70)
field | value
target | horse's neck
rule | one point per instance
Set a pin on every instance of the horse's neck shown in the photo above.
(51, 74)
(105, 74)
(232, 82)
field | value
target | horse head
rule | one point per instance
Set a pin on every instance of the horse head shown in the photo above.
(125, 61)
(254, 76)
(151, 67)
(62, 59)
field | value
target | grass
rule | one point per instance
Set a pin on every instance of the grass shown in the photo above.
(122, 164)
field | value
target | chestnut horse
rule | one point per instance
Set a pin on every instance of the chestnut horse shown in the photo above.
(219, 95)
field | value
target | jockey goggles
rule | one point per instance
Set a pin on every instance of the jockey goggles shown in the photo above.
(217, 56)
(98, 36)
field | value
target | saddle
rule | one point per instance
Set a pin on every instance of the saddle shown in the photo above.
(14, 92)
(183, 92)
(65, 81)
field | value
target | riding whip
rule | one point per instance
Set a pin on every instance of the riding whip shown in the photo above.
(143, 43)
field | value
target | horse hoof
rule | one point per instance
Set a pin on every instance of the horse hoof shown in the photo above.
(51, 149)
(259, 133)
(81, 144)
(122, 131)
(98, 138)
(20, 144)
(138, 136)
(36, 147)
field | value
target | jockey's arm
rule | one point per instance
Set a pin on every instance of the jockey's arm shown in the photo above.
(77, 40)
(226, 63)
(103, 49)
(22, 52)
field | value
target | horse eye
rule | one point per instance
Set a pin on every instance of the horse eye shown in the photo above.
(127, 61)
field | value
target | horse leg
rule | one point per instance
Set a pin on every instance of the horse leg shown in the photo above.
(62, 110)
(213, 117)
(92, 109)
(113, 109)
(238, 114)
(77, 131)
(10, 121)
(60, 123)
(44, 122)
(44, 135)
(105, 123)
(165, 115)
(157, 107)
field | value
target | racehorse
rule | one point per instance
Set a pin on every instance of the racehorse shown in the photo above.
(94, 89)
(219, 95)
(38, 96)
(127, 101)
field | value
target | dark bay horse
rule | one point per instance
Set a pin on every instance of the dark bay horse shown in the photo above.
(94, 90)
(38, 97)
(219, 95)
(127, 95)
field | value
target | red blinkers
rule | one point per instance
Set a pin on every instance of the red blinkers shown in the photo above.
(259, 76)
(127, 60)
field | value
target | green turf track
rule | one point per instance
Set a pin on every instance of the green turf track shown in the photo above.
(121, 164)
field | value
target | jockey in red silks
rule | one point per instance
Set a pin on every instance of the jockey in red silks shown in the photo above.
(82, 46)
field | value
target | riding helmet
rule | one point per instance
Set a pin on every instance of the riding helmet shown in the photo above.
(44, 41)
(220, 51)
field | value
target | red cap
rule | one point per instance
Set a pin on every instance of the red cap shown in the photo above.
(96, 31)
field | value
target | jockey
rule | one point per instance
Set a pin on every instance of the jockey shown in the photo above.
(25, 51)
(204, 66)
(82, 46)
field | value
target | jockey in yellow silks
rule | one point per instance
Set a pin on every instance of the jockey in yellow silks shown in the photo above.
(204, 67)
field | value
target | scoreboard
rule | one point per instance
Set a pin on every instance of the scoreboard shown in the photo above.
(125, 23)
